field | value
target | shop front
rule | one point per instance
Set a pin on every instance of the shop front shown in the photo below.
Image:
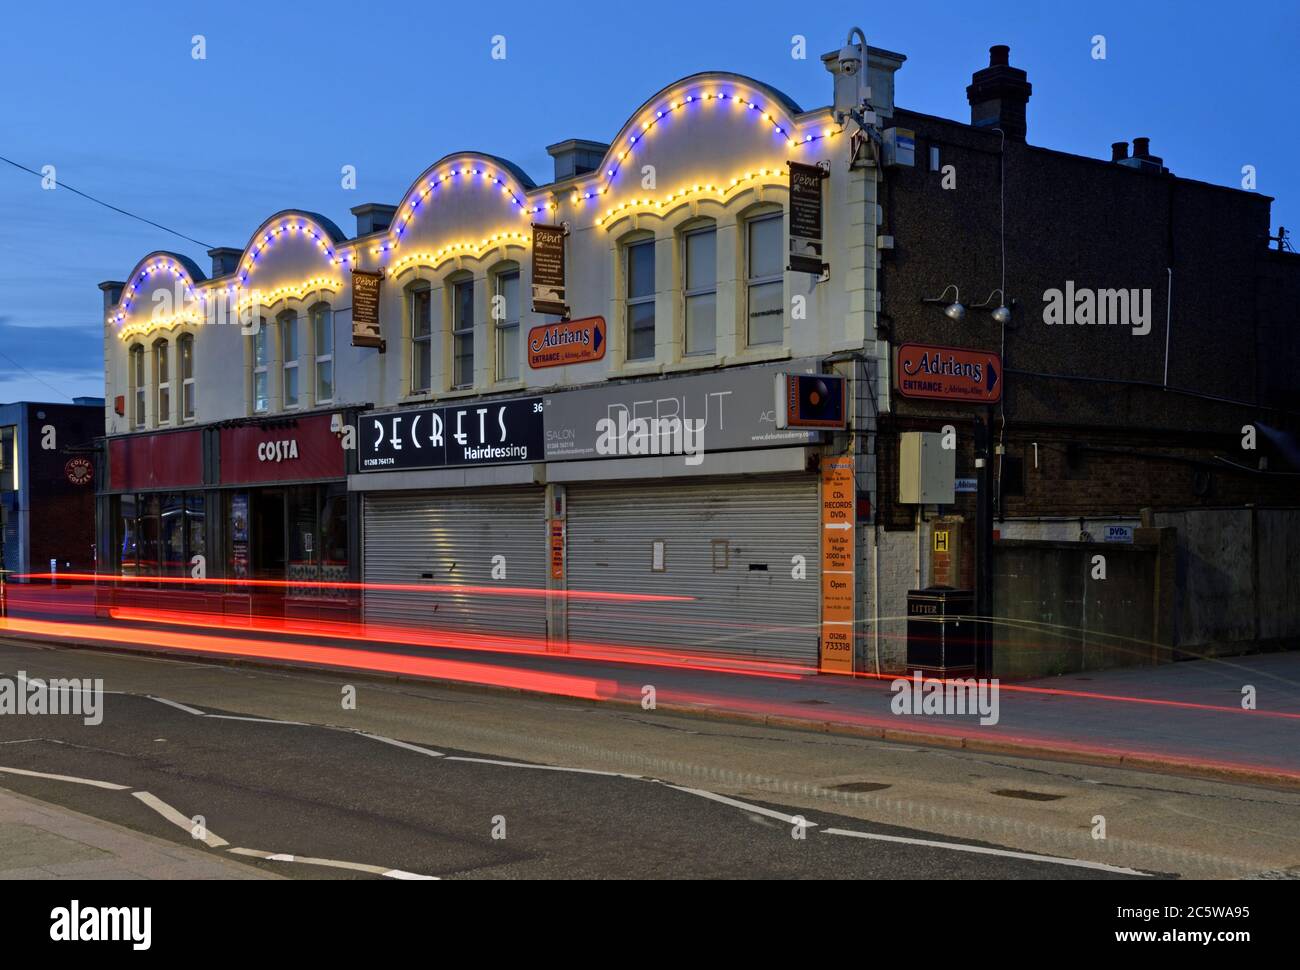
(681, 497)
(283, 504)
(249, 518)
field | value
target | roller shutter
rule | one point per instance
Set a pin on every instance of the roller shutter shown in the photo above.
(728, 544)
(444, 538)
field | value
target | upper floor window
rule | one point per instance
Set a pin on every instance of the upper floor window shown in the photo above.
(289, 364)
(421, 304)
(186, 347)
(505, 315)
(765, 280)
(700, 260)
(640, 272)
(261, 361)
(322, 335)
(462, 333)
(138, 386)
(162, 367)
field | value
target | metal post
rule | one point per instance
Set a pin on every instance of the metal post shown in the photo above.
(984, 544)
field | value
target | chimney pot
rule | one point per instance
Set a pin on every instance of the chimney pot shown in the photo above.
(1141, 147)
(998, 95)
(1118, 151)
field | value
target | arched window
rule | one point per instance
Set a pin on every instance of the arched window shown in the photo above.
(138, 385)
(322, 337)
(419, 299)
(186, 347)
(162, 368)
(288, 323)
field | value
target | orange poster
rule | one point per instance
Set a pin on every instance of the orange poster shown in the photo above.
(569, 342)
(839, 513)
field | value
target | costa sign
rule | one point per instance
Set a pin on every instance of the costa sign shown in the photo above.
(570, 342)
(948, 374)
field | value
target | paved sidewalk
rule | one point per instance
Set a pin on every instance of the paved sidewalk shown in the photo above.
(43, 841)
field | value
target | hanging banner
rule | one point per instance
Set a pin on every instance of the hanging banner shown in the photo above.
(838, 493)
(365, 309)
(548, 271)
(806, 219)
(570, 342)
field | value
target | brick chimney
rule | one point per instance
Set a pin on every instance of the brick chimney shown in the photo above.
(998, 95)
(1142, 159)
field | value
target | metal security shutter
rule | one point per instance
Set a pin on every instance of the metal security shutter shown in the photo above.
(727, 543)
(449, 538)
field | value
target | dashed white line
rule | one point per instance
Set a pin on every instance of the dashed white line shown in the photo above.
(524, 764)
(737, 803)
(76, 781)
(985, 850)
(209, 839)
(333, 863)
(178, 705)
(402, 744)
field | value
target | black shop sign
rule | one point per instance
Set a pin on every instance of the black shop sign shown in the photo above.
(486, 433)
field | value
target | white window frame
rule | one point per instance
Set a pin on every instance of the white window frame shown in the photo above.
(630, 301)
(501, 328)
(262, 369)
(163, 382)
(461, 330)
(688, 291)
(752, 281)
(286, 322)
(189, 404)
(322, 321)
(139, 386)
(417, 341)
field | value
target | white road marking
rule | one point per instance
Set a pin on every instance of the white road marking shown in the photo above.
(333, 863)
(983, 850)
(524, 764)
(209, 839)
(255, 720)
(76, 781)
(402, 744)
(176, 704)
(737, 803)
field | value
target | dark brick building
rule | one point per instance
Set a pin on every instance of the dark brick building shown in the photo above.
(1097, 423)
(47, 489)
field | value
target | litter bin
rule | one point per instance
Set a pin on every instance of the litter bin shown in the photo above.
(941, 630)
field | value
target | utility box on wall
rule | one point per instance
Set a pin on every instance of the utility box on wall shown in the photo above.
(926, 469)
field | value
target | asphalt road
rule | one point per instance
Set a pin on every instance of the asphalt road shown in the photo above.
(395, 787)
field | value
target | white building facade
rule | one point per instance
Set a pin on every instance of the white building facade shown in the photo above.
(459, 470)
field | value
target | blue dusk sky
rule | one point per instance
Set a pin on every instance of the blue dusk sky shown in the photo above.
(290, 92)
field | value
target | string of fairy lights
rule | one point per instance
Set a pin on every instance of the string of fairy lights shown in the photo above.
(466, 172)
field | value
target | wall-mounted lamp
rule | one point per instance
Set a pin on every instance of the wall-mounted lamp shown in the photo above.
(954, 311)
(1001, 312)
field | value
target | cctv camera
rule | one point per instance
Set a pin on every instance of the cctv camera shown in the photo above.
(850, 60)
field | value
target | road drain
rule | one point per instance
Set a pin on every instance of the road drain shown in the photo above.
(858, 786)
(1029, 796)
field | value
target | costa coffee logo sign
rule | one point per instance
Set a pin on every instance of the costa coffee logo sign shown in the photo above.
(79, 471)
(286, 450)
